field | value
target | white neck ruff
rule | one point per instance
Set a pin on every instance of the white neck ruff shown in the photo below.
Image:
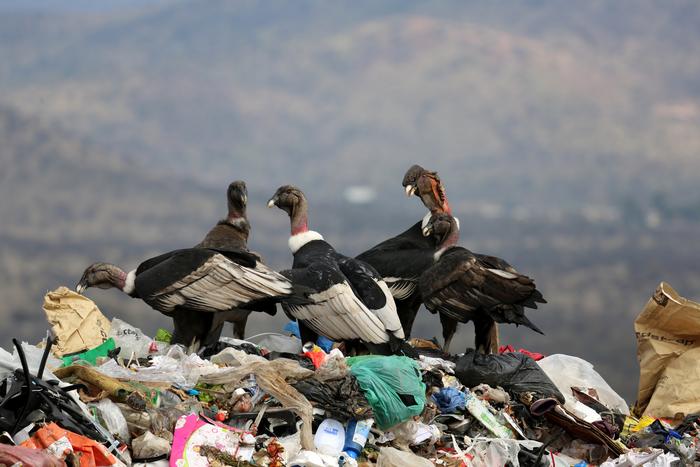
(299, 240)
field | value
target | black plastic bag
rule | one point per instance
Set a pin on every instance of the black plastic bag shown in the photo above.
(342, 398)
(515, 372)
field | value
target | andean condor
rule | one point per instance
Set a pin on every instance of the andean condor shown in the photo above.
(230, 234)
(193, 284)
(465, 287)
(351, 301)
(401, 260)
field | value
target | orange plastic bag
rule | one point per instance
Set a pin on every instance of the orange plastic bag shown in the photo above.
(60, 443)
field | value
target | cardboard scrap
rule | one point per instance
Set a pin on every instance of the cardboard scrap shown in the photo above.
(76, 322)
(668, 349)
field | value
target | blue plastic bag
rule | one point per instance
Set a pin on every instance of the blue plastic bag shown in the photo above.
(449, 400)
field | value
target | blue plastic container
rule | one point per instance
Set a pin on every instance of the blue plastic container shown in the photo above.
(356, 436)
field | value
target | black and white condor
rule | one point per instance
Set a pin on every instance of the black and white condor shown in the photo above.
(219, 280)
(464, 286)
(351, 301)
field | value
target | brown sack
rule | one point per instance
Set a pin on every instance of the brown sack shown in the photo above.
(76, 322)
(668, 348)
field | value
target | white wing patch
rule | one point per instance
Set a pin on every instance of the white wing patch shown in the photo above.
(401, 288)
(504, 274)
(388, 314)
(338, 314)
(221, 284)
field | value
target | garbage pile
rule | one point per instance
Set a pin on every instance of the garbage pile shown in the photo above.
(101, 393)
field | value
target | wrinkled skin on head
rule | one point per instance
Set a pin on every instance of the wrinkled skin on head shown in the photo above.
(237, 197)
(288, 198)
(428, 187)
(440, 227)
(102, 276)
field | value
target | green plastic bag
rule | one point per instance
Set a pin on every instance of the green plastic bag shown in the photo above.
(392, 385)
(90, 356)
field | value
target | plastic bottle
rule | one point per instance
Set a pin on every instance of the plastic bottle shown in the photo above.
(356, 436)
(330, 437)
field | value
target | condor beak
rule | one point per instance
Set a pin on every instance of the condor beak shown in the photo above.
(80, 288)
(271, 203)
(410, 190)
(427, 230)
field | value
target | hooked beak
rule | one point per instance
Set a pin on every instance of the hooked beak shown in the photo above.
(80, 288)
(427, 230)
(271, 203)
(410, 190)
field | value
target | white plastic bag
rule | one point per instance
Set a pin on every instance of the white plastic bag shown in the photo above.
(112, 419)
(275, 342)
(392, 457)
(566, 372)
(130, 339)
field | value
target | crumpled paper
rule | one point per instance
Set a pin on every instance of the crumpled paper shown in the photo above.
(76, 322)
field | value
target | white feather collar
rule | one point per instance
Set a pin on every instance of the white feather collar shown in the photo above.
(299, 240)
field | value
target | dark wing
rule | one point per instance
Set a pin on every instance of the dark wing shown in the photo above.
(208, 280)
(336, 312)
(460, 287)
(401, 260)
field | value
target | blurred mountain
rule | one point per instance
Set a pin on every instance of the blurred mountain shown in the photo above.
(567, 137)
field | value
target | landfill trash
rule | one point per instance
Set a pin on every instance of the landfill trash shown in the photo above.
(449, 400)
(91, 356)
(131, 341)
(33, 355)
(392, 457)
(63, 443)
(330, 437)
(356, 436)
(20, 456)
(514, 372)
(76, 323)
(112, 418)
(479, 410)
(149, 446)
(262, 402)
(569, 372)
(325, 343)
(193, 433)
(277, 342)
(536, 356)
(656, 458)
(668, 349)
(392, 385)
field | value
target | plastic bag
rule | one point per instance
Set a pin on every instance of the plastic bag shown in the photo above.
(9, 362)
(276, 342)
(566, 372)
(175, 367)
(392, 385)
(493, 451)
(514, 372)
(342, 399)
(130, 339)
(272, 377)
(392, 457)
(149, 445)
(333, 367)
(112, 419)
(449, 400)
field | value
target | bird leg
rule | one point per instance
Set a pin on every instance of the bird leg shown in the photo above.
(486, 338)
(449, 327)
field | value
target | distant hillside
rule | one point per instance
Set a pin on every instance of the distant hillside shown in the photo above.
(567, 138)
